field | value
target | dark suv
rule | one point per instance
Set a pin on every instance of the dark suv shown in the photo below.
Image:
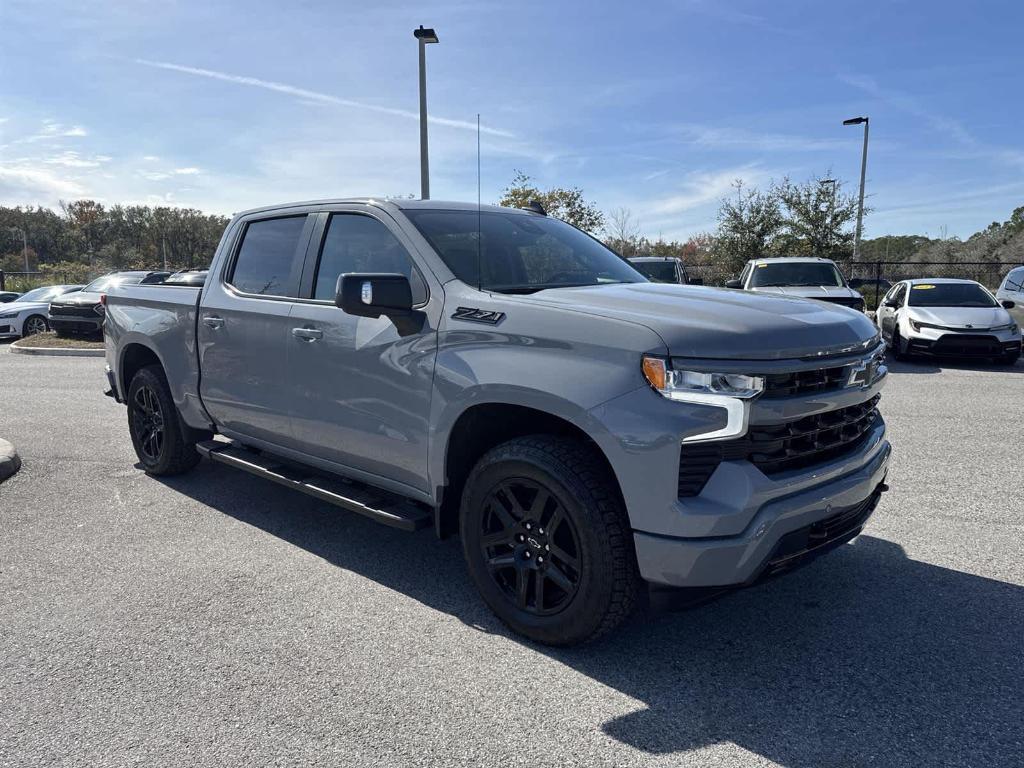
(82, 312)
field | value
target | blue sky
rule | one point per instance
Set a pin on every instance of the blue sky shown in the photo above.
(653, 106)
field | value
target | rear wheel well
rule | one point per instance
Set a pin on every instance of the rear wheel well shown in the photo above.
(135, 358)
(481, 428)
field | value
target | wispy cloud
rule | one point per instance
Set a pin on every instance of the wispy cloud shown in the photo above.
(33, 184)
(52, 130)
(71, 159)
(702, 187)
(714, 137)
(317, 96)
(191, 171)
(952, 128)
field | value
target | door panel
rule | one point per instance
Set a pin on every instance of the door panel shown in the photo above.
(361, 390)
(243, 336)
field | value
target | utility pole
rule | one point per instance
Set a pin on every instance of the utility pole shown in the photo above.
(424, 36)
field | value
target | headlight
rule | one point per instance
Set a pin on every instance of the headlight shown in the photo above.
(917, 325)
(8, 315)
(1011, 327)
(730, 391)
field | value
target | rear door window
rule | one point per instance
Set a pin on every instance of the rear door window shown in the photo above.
(269, 257)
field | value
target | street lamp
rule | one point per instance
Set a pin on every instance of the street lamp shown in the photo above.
(863, 171)
(424, 36)
(24, 244)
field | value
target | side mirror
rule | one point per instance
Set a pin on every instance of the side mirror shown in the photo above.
(373, 295)
(695, 281)
(891, 303)
(1007, 304)
(733, 284)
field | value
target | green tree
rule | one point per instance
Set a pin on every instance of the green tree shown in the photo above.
(567, 204)
(818, 219)
(748, 224)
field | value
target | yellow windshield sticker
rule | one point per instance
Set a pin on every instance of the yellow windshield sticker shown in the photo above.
(761, 266)
(923, 287)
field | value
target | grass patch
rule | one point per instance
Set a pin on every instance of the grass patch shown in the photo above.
(51, 339)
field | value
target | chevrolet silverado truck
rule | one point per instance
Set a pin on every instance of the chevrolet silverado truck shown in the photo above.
(500, 375)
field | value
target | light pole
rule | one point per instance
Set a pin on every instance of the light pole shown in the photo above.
(24, 244)
(424, 36)
(863, 171)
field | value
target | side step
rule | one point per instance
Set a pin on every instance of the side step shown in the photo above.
(378, 505)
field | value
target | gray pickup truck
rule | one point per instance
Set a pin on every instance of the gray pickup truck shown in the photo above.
(499, 374)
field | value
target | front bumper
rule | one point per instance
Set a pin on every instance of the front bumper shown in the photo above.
(945, 344)
(784, 531)
(77, 324)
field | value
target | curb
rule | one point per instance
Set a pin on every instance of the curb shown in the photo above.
(9, 461)
(57, 351)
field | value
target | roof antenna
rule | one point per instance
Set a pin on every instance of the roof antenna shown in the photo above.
(479, 216)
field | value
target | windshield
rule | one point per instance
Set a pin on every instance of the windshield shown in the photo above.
(107, 282)
(796, 273)
(657, 271)
(950, 295)
(519, 253)
(43, 294)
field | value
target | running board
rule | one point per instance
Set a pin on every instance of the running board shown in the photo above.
(381, 506)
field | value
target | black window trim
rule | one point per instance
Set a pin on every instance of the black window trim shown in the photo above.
(298, 260)
(311, 263)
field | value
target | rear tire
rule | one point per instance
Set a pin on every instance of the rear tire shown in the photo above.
(547, 540)
(162, 442)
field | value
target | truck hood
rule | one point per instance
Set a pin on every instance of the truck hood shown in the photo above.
(695, 321)
(979, 318)
(811, 291)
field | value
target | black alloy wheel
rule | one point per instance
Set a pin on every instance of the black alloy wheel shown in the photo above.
(148, 422)
(530, 546)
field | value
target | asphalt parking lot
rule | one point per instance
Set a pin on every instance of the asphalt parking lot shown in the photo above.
(217, 619)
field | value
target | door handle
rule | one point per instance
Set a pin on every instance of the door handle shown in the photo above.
(307, 334)
(213, 322)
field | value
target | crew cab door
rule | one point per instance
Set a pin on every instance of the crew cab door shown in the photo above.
(361, 386)
(244, 328)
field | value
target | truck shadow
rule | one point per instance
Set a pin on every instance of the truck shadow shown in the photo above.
(866, 656)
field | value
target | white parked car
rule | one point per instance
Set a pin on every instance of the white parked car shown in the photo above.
(1012, 290)
(28, 314)
(945, 317)
(806, 277)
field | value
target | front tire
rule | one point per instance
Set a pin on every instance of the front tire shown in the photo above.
(34, 324)
(158, 435)
(547, 540)
(897, 345)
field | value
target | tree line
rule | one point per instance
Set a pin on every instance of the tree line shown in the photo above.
(85, 238)
(813, 217)
(786, 218)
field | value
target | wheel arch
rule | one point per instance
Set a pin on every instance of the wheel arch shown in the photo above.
(481, 426)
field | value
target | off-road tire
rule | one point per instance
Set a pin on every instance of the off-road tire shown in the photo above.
(175, 451)
(607, 576)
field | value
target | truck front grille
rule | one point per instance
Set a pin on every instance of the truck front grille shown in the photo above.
(775, 448)
(72, 311)
(805, 382)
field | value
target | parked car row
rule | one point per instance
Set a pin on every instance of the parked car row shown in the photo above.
(76, 309)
